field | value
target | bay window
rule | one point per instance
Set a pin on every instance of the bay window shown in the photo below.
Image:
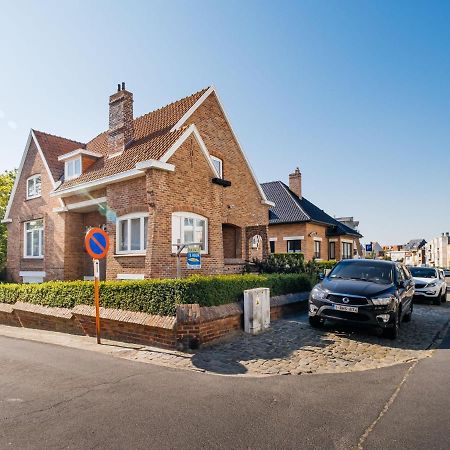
(294, 246)
(347, 250)
(332, 251)
(317, 249)
(34, 187)
(34, 239)
(132, 233)
(189, 228)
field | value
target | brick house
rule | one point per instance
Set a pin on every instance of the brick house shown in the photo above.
(174, 175)
(297, 225)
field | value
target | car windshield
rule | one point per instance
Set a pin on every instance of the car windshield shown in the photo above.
(364, 270)
(423, 272)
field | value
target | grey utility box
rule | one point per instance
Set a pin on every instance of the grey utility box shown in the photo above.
(256, 310)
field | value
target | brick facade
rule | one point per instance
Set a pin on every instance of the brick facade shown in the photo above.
(235, 213)
(310, 232)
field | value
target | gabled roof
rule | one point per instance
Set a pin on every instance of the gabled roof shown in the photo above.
(54, 146)
(152, 138)
(289, 208)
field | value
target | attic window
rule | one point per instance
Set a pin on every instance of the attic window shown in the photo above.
(34, 187)
(218, 164)
(73, 168)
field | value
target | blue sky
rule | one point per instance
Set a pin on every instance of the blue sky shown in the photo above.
(355, 93)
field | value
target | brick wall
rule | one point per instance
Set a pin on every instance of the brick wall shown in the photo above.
(192, 326)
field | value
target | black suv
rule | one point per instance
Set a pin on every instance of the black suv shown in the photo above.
(371, 292)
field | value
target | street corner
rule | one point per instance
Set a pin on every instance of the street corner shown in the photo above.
(292, 347)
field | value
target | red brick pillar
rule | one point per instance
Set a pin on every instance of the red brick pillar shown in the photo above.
(188, 326)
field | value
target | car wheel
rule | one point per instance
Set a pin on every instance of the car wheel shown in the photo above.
(315, 321)
(437, 299)
(392, 331)
(444, 296)
(407, 317)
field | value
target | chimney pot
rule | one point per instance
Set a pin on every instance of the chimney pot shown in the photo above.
(123, 85)
(295, 182)
(118, 87)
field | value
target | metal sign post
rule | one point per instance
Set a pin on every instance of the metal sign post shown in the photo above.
(97, 298)
(97, 245)
(180, 248)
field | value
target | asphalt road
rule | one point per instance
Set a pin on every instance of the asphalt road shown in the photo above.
(56, 397)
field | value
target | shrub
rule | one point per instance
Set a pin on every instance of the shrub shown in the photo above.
(282, 263)
(323, 265)
(153, 296)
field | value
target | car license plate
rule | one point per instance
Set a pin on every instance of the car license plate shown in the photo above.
(352, 309)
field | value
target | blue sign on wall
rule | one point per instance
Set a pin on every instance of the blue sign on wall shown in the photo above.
(194, 260)
(369, 247)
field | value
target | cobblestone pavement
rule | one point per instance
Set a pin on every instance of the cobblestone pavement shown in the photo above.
(291, 346)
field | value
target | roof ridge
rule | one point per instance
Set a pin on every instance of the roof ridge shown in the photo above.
(172, 103)
(59, 137)
(290, 193)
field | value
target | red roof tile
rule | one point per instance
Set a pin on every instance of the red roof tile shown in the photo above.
(152, 138)
(54, 146)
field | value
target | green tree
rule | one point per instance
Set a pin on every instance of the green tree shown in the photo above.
(6, 185)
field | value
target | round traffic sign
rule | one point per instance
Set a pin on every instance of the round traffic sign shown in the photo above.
(97, 243)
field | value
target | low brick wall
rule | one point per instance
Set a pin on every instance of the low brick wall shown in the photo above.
(193, 325)
(198, 325)
(7, 316)
(128, 326)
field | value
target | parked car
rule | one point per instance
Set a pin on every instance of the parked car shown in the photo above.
(369, 292)
(430, 283)
(447, 273)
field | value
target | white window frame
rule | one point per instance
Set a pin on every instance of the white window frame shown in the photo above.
(344, 244)
(41, 240)
(178, 221)
(143, 244)
(288, 241)
(66, 168)
(216, 159)
(35, 194)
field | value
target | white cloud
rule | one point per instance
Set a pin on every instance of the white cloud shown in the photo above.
(2, 114)
(12, 124)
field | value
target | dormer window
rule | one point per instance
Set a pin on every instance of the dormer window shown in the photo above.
(34, 187)
(73, 168)
(76, 161)
(218, 164)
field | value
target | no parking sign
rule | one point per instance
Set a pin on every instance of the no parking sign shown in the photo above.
(97, 246)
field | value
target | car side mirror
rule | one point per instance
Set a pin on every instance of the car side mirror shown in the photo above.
(321, 276)
(401, 284)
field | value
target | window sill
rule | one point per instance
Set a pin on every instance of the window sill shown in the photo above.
(33, 257)
(127, 255)
(33, 198)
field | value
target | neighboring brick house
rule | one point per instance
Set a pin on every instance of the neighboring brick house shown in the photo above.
(175, 175)
(297, 225)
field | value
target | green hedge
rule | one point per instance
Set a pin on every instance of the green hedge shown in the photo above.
(322, 265)
(153, 296)
(282, 263)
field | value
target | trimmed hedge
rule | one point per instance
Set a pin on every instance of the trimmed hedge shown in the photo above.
(282, 263)
(322, 265)
(154, 296)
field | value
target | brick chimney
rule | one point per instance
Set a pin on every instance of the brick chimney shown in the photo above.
(295, 182)
(121, 128)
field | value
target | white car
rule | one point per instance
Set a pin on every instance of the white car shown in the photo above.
(429, 283)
